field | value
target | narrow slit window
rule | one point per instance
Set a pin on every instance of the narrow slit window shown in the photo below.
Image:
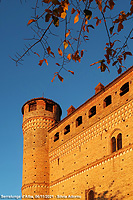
(79, 121)
(56, 137)
(49, 107)
(119, 141)
(107, 101)
(91, 195)
(124, 89)
(113, 140)
(32, 106)
(92, 111)
(67, 129)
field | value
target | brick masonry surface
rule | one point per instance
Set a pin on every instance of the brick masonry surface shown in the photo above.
(74, 156)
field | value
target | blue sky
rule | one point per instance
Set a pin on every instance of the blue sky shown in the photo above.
(24, 82)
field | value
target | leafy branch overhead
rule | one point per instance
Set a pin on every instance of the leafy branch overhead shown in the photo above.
(70, 21)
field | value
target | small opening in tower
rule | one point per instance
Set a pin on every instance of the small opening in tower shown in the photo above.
(67, 129)
(107, 101)
(32, 106)
(49, 107)
(56, 137)
(124, 89)
(92, 111)
(79, 121)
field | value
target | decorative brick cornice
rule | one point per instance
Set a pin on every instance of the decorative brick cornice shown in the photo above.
(111, 121)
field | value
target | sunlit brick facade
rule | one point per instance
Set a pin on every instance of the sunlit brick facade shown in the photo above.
(86, 155)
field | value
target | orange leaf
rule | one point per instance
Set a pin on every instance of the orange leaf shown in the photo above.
(63, 15)
(67, 34)
(41, 61)
(30, 21)
(60, 52)
(119, 70)
(53, 78)
(76, 19)
(71, 71)
(114, 63)
(60, 78)
(69, 56)
(65, 44)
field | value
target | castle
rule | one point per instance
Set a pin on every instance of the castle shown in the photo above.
(88, 154)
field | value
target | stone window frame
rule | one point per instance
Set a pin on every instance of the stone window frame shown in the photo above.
(56, 137)
(116, 141)
(92, 111)
(87, 194)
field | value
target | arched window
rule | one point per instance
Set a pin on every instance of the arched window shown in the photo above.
(107, 101)
(78, 121)
(119, 141)
(92, 111)
(32, 106)
(56, 137)
(124, 89)
(67, 129)
(91, 195)
(113, 140)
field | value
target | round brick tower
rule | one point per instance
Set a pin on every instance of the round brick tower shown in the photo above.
(39, 115)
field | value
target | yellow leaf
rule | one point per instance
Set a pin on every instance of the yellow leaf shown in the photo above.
(53, 78)
(69, 56)
(60, 78)
(63, 15)
(30, 21)
(60, 52)
(76, 19)
(65, 44)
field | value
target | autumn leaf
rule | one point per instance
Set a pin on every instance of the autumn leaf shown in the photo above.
(111, 4)
(82, 53)
(114, 63)
(91, 26)
(65, 44)
(73, 11)
(52, 54)
(47, 17)
(41, 62)
(67, 34)
(60, 78)
(60, 52)
(99, 3)
(63, 15)
(30, 21)
(36, 54)
(57, 64)
(111, 30)
(71, 71)
(56, 21)
(69, 56)
(76, 19)
(119, 70)
(88, 14)
(120, 26)
(53, 78)
(49, 50)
